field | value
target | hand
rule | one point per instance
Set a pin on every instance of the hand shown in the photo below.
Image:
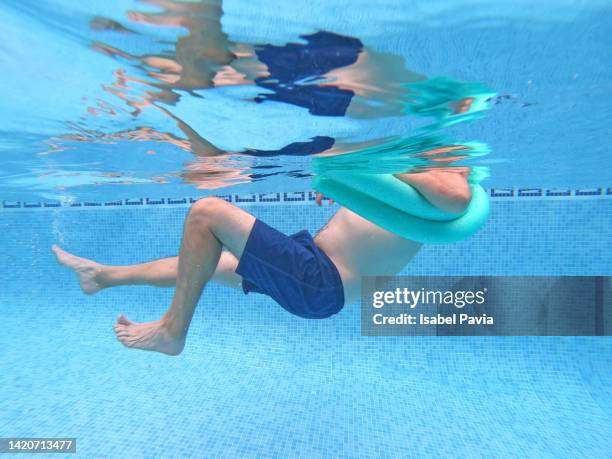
(319, 200)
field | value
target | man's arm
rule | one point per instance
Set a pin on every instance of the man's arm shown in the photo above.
(447, 189)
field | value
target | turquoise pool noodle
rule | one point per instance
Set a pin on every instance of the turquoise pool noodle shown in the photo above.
(396, 211)
(390, 190)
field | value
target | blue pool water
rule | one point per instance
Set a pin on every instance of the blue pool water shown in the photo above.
(257, 381)
(80, 167)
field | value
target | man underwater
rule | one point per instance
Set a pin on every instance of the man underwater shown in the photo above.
(309, 277)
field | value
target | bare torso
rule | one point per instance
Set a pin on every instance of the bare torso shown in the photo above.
(360, 248)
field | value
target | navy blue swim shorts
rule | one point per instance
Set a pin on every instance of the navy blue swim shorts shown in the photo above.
(292, 271)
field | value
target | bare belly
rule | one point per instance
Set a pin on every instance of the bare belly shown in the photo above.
(360, 248)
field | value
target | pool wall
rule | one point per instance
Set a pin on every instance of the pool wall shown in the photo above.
(254, 380)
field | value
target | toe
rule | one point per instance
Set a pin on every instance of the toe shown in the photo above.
(123, 320)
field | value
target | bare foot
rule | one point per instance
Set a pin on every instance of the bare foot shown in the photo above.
(86, 270)
(150, 336)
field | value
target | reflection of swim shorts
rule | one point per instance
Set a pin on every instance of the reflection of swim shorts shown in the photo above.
(315, 145)
(291, 270)
(295, 69)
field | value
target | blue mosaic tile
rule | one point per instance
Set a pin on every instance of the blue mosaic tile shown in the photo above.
(502, 192)
(530, 192)
(269, 197)
(255, 381)
(294, 197)
(301, 197)
(558, 192)
(245, 198)
(114, 203)
(134, 202)
(588, 192)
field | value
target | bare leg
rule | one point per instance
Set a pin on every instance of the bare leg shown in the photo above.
(86, 270)
(95, 276)
(158, 273)
(211, 224)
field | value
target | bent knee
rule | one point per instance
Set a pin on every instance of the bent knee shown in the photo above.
(206, 209)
